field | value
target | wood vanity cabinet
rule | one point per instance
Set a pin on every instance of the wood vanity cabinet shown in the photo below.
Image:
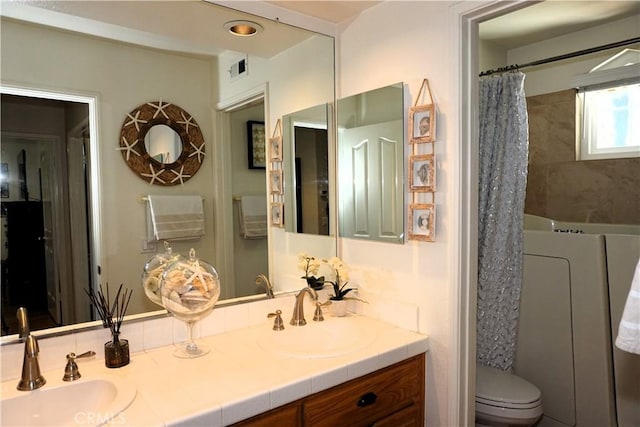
(390, 397)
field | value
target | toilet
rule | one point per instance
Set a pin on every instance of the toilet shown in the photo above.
(505, 400)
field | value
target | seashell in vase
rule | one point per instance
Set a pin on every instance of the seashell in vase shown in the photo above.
(189, 289)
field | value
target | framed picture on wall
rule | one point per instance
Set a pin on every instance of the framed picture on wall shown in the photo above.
(256, 147)
(276, 214)
(275, 149)
(275, 181)
(422, 222)
(422, 123)
(422, 176)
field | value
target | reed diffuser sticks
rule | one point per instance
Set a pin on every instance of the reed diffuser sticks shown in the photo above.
(111, 315)
(116, 351)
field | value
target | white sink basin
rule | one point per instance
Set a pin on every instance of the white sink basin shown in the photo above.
(335, 336)
(87, 402)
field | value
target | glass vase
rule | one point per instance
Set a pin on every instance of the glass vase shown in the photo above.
(190, 289)
(116, 352)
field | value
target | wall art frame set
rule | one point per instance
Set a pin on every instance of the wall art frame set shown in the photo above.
(276, 178)
(422, 167)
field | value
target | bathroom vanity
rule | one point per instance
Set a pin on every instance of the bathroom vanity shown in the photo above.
(247, 381)
(392, 396)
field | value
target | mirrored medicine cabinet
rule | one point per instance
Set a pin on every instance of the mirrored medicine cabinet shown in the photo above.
(371, 165)
(306, 139)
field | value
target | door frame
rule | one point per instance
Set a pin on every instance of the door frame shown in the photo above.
(96, 242)
(223, 196)
(465, 18)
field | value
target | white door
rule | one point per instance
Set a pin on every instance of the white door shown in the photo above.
(53, 290)
(372, 205)
(80, 275)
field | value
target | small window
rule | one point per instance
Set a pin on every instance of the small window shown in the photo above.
(610, 125)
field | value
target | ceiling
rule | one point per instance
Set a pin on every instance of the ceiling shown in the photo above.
(549, 19)
(530, 24)
(202, 30)
(330, 11)
(194, 27)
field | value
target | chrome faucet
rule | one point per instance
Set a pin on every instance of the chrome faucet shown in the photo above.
(298, 309)
(31, 378)
(262, 279)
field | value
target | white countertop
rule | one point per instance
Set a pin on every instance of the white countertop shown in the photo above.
(239, 379)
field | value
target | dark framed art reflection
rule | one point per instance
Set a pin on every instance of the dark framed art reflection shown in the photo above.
(256, 145)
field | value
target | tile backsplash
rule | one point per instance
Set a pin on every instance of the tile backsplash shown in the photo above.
(158, 332)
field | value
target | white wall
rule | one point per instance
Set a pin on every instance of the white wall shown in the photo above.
(290, 88)
(410, 41)
(559, 75)
(123, 77)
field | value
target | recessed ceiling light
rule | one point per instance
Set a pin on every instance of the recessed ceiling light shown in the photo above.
(243, 28)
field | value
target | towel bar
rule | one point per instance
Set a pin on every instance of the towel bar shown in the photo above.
(146, 199)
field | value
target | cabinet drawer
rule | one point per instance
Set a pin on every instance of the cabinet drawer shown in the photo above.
(288, 416)
(407, 417)
(368, 399)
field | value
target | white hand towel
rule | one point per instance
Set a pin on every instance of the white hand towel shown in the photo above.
(629, 331)
(252, 212)
(175, 217)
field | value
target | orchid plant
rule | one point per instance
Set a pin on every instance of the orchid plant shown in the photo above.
(310, 265)
(340, 289)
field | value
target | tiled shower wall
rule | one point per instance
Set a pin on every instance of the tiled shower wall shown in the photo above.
(561, 188)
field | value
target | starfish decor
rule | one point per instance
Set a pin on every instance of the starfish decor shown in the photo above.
(180, 175)
(135, 127)
(159, 108)
(135, 120)
(155, 176)
(199, 151)
(186, 122)
(201, 283)
(128, 147)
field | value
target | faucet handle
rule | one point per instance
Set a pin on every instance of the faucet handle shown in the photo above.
(278, 324)
(317, 315)
(71, 372)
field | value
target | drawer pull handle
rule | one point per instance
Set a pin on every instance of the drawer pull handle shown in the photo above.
(367, 399)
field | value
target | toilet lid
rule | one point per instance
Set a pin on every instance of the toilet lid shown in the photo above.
(493, 385)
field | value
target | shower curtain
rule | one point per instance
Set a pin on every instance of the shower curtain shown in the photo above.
(503, 154)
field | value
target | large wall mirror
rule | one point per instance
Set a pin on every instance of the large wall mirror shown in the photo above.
(306, 151)
(371, 164)
(71, 72)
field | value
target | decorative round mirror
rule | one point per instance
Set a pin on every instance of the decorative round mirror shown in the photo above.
(162, 143)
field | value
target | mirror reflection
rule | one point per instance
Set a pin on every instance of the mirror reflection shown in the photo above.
(121, 64)
(163, 144)
(371, 164)
(306, 156)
